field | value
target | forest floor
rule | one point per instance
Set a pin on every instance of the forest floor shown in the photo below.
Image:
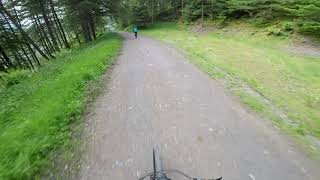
(38, 111)
(277, 76)
(156, 97)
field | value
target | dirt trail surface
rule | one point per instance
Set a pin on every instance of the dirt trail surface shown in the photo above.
(155, 97)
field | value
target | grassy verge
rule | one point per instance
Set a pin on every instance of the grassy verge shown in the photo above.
(242, 54)
(36, 114)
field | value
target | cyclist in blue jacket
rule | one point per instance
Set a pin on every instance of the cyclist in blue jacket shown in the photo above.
(135, 30)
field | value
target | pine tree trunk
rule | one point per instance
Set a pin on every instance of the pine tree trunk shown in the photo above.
(23, 33)
(68, 36)
(42, 40)
(21, 47)
(63, 41)
(35, 58)
(182, 9)
(66, 44)
(26, 55)
(3, 52)
(178, 13)
(4, 63)
(152, 9)
(6, 58)
(85, 27)
(202, 14)
(48, 24)
(64, 35)
(77, 36)
(56, 32)
(92, 27)
(44, 34)
(2, 66)
(17, 61)
(16, 16)
(22, 59)
(211, 9)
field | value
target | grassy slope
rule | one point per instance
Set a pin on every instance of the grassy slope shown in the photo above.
(36, 114)
(290, 81)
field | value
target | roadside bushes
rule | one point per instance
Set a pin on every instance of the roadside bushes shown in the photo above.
(312, 28)
(13, 77)
(307, 13)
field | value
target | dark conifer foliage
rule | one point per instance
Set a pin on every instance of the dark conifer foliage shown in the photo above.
(34, 30)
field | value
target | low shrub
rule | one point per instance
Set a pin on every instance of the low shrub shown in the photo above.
(13, 77)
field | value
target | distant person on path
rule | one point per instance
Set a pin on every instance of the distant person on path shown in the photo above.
(135, 30)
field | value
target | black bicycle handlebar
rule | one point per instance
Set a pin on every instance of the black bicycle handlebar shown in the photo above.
(176, 172)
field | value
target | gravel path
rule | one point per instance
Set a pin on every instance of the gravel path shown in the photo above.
(155, 97)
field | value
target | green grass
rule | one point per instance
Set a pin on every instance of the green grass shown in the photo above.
(36, 114)
(291, 82)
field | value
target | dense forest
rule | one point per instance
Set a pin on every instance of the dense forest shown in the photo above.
(35, 30)
(302, 16)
